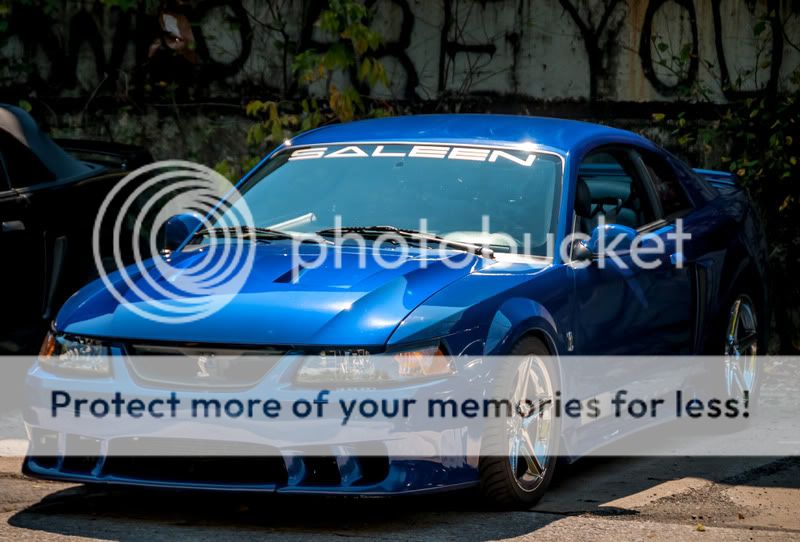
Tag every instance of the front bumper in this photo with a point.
(317, 475)
(254, 455)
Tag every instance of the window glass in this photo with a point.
(614, 192)
(667, 187)
(21, 165)
(453, 191)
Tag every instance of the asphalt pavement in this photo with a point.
(594, 499)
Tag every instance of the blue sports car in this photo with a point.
(504, 220)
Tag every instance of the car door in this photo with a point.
(675, 279)
(22, 261)
(623, 308)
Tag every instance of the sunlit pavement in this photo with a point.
(596, 499)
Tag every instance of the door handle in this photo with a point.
(13, 225)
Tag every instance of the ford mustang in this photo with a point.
(519, 203)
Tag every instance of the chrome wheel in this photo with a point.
(741, 348)
(531, 425)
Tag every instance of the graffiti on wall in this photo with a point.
(610, 49)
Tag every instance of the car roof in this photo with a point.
(559, 135)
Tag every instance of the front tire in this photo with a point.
(520, 453)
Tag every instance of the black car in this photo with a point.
(49, 198)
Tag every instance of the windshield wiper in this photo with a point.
(415, 235)
(252, 232)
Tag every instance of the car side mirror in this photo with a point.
(580, 251)
(609, 237)
(178, 228)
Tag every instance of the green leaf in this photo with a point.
(225, 169)
(277, 132)
(254, 107)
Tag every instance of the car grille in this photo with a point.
(264, 466)
(199, 367)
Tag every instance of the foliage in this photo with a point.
(325, 77)
(5, 11)
(757, 138)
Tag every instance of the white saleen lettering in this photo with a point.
(378, 152)
(308, 154)
(475, 154)
(466, 153)
(348, 152)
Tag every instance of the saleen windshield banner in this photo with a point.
(472, 154)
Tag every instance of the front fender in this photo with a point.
(518, 317)
(485, 314)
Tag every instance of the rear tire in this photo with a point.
(510, 475)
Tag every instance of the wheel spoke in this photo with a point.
(522, 383)
(735, 379)
(729, 378)
(739, 377)
(529, 451)
(734, 321)
(536, 411)
(525, 379)
(746, 342)
(514, 455)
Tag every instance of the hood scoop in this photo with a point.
(292, 276)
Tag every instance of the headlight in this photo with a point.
(360, 367)
(75, 355)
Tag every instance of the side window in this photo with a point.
(22, 167)
(667, 187)
(609, 186)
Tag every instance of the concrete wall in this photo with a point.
(84, 57)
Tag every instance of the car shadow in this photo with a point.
(136, 514)
(589, 486)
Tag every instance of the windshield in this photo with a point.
(506, 199)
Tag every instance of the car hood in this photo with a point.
(356, 303)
